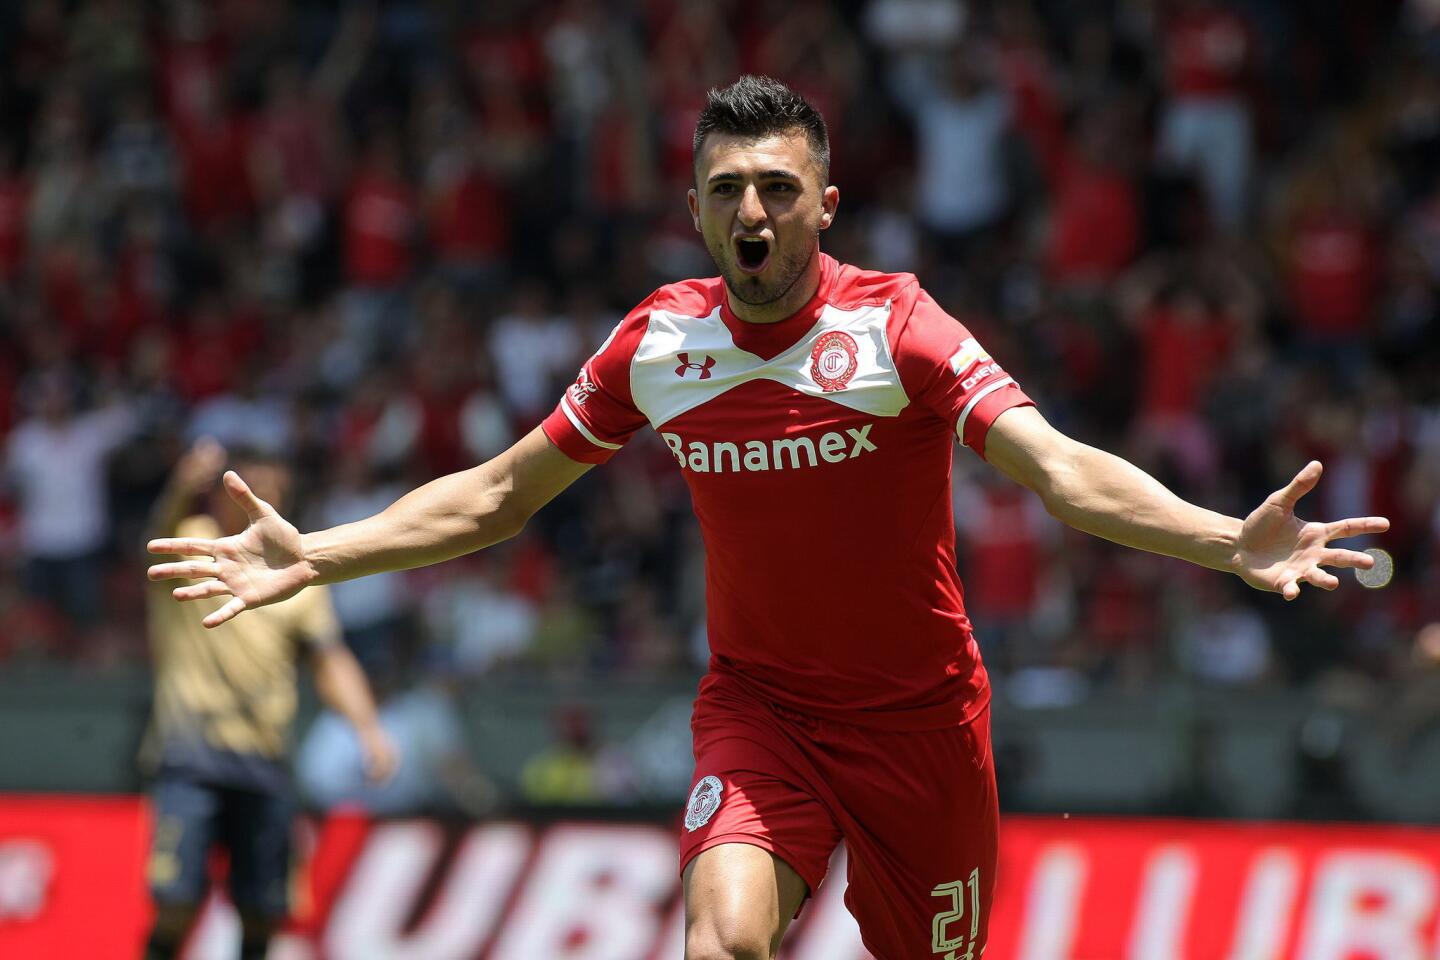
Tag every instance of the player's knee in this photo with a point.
(728, 939)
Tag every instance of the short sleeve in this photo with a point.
(596, 415)
(315, 625)
(947, 371)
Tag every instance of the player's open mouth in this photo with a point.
(752, 254)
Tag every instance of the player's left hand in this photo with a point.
(378, 754)
(1277, 551)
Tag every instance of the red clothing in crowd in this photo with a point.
(213, 157)
(514, 52)
(468, 222)
(1182, 356)
(211, 352)
(289, 138)
(1334, 273)
(192, 79)
(380, 219)
(14, 200)
(96, 311)
(1206, 53)
(1096, 227)
(1039, 115)
(1003, 553)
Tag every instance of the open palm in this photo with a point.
(1277, 551)
(262, 564)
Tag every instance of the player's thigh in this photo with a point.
(257, 830)
(739, 899)
(186, 823)
(921, 884)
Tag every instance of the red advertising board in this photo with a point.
(71, 877)
(71, 885)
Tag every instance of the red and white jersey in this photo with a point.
(818, 454)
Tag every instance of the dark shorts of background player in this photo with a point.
(192, 818)
(917, 811)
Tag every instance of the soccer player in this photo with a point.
(812, 408)
(220, 735)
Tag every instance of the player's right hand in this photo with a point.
(265, 563)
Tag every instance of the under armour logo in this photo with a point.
(685, 365)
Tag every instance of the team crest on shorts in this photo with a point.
(834, 360)
(704, 801)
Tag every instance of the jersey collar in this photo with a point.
(769, 340)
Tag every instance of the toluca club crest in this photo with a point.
(704, 801)
(833, 361)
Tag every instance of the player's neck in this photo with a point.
(799, 294)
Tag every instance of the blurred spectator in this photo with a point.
(474, 614)
(463, 202)
(14, 199)
(915, 36)
(55, 460)
(962, 119)
(693, 50)
(139, 156)
(212, 148)
(533, 351)
(292, 169)
(1005, 540)
(1190, 315)
(433, 775)
(1333, 258)
(1032, 75)
(63, 197)
(1220, 641)
(893, 231)
(373, 611)
(379, 217)
(1325, 790)
(813, 47)
(565, 632)
(575, 770)
(1096, 223)
(1206, 125)
(246, 416)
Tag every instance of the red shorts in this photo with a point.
(917, 811)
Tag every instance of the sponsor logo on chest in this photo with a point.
(782, 453)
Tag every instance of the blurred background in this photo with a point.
(378, 240)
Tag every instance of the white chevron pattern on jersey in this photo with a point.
(663, 386)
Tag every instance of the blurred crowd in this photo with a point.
(379, 238)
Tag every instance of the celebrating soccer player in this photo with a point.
(812, 407)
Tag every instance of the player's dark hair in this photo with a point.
(761, 107)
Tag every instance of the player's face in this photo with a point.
(760, 205)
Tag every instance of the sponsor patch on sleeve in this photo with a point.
(969, 354)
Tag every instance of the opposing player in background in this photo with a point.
(813, 408)
(219, 741)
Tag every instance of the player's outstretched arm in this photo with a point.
(1102, 494)
(270, 560)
